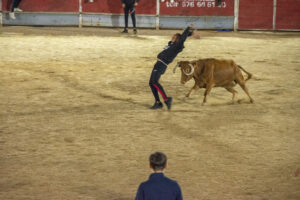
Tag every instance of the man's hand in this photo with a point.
(123, 5)
(192, 26)
(136, 4)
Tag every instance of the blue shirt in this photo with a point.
(159, 187)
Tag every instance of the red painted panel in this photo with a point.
(44, 5)
(115, 6)
(256, 14)
(288, 14)
(197, 8)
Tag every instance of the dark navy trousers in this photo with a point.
(15, 4)
(131, 8)
(158, 70)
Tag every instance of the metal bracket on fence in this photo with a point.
(274, 14)
(157, 14)
(80, 14)
(0, 12)
(236, 15)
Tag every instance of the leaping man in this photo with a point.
(164, 58)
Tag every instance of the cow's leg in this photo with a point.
(233, 91)
(193, 88)
(242, 83)
(207, 91)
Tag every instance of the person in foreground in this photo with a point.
(164, 58)
(158, 187)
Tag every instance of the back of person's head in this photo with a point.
(178, 36)
(158, 161)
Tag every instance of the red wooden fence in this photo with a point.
(197, 8)
(253, 14)
(288, 14)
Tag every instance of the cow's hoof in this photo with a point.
(251, 101)
(203, 104)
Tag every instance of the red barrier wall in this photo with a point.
(288, 14)
(44, 5)
(197, 8)
(256, 14)
(253, 14)
(115, 6)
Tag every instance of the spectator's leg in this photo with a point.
(126, 11)
(15, 5)
(18, 3)
(132, 12)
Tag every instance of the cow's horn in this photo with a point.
(192, 70)
(174, 70)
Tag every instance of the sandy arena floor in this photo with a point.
(75, 123)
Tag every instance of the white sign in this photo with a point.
(194, 4)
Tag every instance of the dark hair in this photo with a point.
(158, 161)
(178, 36)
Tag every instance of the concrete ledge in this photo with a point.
(201, 22)
(114, 20)
(117, 20)
(41, 19)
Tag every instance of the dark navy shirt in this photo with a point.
(174, 48)
(159, 187)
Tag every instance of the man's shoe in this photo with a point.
(12, 15)
(125, 31)
(168, 102)
(18, 10)
(135, 31)
(157, 105)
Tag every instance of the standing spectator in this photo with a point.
(158, 187)
(129, 5)
(15, 8)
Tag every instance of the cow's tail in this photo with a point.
(249, 74)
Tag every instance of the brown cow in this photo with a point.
(209, 73)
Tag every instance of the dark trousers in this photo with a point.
(131, 8)
(158, 70)
(15, 4)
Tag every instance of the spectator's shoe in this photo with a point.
(135, 31)
(125, 31)
(169, 103)
(18, 10)
(157, 105)
(12, 15)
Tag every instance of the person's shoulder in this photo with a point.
(171, 181)
(144, 183)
